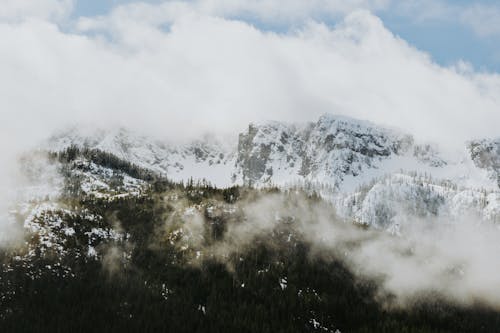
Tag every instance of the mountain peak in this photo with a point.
(336, 150)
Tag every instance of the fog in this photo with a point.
(453, 260)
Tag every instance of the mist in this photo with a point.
(430, 259)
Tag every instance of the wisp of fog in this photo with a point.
(455, 260)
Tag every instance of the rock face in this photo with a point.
(266, 149)
(324, 151)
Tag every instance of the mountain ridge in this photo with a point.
(334, 150)
(372, 174)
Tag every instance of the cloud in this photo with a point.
(293, 11)
(483, 19)
(217, 71)
(204, 73)
(15, 10)
(272, 12)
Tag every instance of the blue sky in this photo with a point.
(448, 42)
(443, 35)
(101, 7)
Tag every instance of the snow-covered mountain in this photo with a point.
(337, 151)
(397, 200)
(206, 158)
(373, 174)
(326, 151)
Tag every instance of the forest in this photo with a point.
(149, 280)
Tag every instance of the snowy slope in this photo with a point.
(202, 159)
(400, 198)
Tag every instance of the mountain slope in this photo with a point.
(205, 158)
(337, 151)
(372, 174)
(119, 248)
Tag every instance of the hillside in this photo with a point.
(115, 247)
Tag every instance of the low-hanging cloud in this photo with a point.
(432, 259)
(205, 73)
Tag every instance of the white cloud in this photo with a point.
(273, 12)
(291, 11)
(483, 19)
(214, 73)
(456, 259)
(15, 10)
(423, 10)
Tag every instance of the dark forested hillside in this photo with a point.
(168, 259)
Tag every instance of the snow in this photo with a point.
(391, 200)
(91, 253)
(202, 159)
(283, 283)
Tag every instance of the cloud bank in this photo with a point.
(174, 70)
